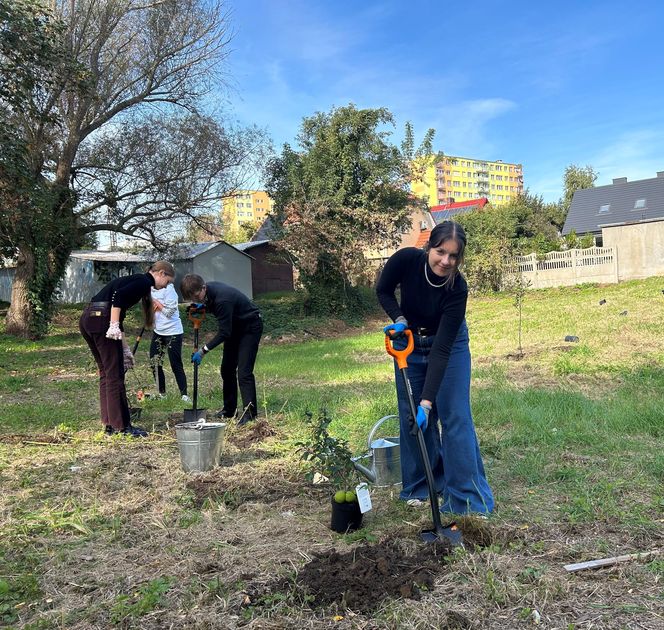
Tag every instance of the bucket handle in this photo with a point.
(375, 428)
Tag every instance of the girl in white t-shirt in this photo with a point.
(167, 338)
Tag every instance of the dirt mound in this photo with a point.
(363, 577)
(255, 432)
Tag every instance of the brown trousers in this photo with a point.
(110, 362)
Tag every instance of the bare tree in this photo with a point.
(122, 141)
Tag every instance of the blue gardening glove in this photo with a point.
(198, 305)
(197, 357)
(423, 416)
(397, 327)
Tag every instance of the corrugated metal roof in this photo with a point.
(186, 251)
(251, 244)
(615, 204)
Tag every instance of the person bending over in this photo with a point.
(239, 328)
(101, 327)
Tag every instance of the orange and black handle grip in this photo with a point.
(401, 356)
(196, 315)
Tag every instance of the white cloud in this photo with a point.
(462, 126)
(635, 155)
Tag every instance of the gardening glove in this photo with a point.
(197, 357)
(198, 305)
(423, 416)
(398, 327)
(114, 331)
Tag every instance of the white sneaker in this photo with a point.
(416, 503)
(186, 398)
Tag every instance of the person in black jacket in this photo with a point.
(101, 327)
(433, 306)
(239, 328)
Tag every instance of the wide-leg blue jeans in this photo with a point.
(450, 435)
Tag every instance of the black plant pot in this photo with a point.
(345, 516)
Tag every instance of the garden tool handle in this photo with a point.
(401, 356)
(138, 340)
(196, 315)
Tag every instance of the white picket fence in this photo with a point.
(574, 266)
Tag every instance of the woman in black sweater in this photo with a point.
(101, 327)
(433, 307)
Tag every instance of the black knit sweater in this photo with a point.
(441, 309)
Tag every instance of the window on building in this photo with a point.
(605, 208)
(240, 204)
(456, 173)
(639, 203)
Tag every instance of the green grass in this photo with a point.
(572, 434)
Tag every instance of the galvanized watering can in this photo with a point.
(383, 461)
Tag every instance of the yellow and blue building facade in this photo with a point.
(246, 206)
(456, 178)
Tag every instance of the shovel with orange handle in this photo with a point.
(450, 532)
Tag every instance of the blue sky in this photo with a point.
(545, 84)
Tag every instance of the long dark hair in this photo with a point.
(445, 231)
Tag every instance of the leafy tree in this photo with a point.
(537, 227)
(203, 228)
(114, 137)
(575, 178)
(343, 192)
(491, 234)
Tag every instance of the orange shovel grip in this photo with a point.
(401, 356)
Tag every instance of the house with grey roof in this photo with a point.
(621, 202)
(626, 216)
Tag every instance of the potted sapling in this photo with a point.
(330, 456)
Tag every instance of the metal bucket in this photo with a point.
(200, 444)
(384, 457)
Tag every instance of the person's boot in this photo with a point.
(108, 429)
(224, 414)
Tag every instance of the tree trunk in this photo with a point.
(19, 314)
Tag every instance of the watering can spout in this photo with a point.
(369, 474)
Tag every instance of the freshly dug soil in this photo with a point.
(363, 577)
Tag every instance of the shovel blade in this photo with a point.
(450, 532)
(194, 415)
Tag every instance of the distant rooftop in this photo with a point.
(615, 204)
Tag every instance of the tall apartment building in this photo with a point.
(455, 179)
(246, 206)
